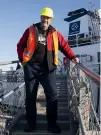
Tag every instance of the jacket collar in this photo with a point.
(50, 28)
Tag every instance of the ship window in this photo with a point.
(83, 39)
(72, 41)
(99, 54)
(89, 28)
(72, 37)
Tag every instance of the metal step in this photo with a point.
(59, 99)
(60, 108)
(59, 112)
(63, 111)
(62, 96)
(63, 88)
(61, 117)
(39, 132)
(65, 96)
(61, 83)
(63, 104)
(62, 91)
(61, 80)
(41, 125)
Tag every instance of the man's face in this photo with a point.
(45, 22)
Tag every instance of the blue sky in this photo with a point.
(17, 15)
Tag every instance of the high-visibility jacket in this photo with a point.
(32, 45)
(55, 41)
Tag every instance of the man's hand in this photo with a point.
(76, 60)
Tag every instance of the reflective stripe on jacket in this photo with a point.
(32, 44)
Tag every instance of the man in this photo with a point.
(38, 53)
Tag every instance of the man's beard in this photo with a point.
(44, 25)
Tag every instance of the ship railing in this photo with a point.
(83, 99)
(12, 96)
(88, 39)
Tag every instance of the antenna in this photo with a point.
(95, 19)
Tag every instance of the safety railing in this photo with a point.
(83, 86)
(88, 38)
(12, 97)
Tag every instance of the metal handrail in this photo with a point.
(2, 97)
(92, 75)
(8, 62)
(81, 98)
(91, 38)
(87, 42)
(84, 38)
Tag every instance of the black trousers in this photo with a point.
(32, 76)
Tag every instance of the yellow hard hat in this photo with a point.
(47, 12)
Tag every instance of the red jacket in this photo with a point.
(63, 46)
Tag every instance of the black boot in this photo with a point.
(54, 129)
